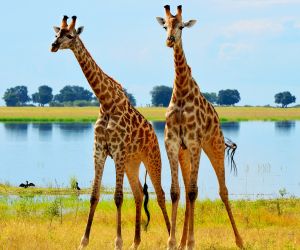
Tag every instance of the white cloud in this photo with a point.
(264, 3)
(229, 51)
(254, 27)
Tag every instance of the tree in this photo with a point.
(211, 97)
(43, 96)
(17, 96)
(72, 93)
(161, 95)
(130, 97)
(228, 97)
(284, 98)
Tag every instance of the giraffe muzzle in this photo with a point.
(54, 47)
(170, 41)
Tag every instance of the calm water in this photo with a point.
(49, 154)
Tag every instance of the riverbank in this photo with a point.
(89, 114)
(44, 222)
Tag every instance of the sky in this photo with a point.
(249, 45)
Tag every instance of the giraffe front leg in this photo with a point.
(195, 151)
(172, 151)
(185, 165)
(118, 197)
(99, 160)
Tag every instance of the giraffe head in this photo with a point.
(65, 34)
(174, 25)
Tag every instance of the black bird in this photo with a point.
(77, 187)
(27, 185)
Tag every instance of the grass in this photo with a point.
(11, 190)
(41, 222)
(89, 114)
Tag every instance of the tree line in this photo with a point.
(67, 96)
(78, 96)
(161, 96)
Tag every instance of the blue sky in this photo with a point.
(249, 45)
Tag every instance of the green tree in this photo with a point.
(211, 97)
(43, 96)
(130, 97)
(35, 98)
(228, 97)
(16, 96)
(284, 98)
(72, 93)
(161, 95)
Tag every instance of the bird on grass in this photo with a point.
(27, 185)
(77, 187)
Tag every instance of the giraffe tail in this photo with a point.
(146, 200)
(230, 148)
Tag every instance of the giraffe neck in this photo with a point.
(107, 90)
(182, 70)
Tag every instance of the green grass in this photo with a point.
(58, 222)
(89, 114)
(11, 190)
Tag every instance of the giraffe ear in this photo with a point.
(56, 29)
(79, 30)
(161, 21)
(189, 24)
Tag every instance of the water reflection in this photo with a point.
(227, 127)
(74, 131)
(44, 129)
(74, 127)
(159, 127)
(285, 127)
(230, 127)
(16, 130)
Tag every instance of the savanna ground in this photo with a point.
(86, 114)
(29, 221)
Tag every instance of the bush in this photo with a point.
(73, 181)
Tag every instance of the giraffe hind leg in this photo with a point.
(216, 155)
(118, 197)
(132, 172)
(153, 166)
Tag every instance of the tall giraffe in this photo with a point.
(191, 124)
(121, 132)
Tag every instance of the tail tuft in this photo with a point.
(230, 148)
(146, 200)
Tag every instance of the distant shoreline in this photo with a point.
(89, 114)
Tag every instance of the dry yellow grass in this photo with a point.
(259, 224)
(70, 114)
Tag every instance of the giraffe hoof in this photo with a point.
(239, 243)
(134, 246)
(181, 247)
(118, 244)
(84, 242)
(191, 245)
(171, 244)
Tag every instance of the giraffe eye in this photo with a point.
(165, 27)
(181, 27)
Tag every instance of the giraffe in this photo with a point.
(192, 124)
(120, 132)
